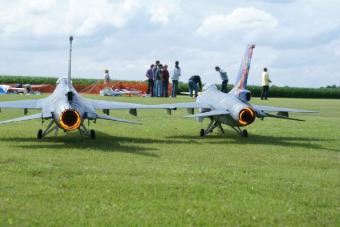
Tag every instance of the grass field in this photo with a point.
(161, 172)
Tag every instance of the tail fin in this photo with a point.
(69, 83)
(242, 77)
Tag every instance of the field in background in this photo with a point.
(162, 173)
(86, 85)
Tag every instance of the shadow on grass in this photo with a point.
(233, 138)
(104, 143)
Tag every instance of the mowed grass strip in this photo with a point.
(162, 173)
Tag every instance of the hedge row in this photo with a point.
(286, 92)
(40, 80)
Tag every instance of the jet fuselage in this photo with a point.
(67, 107)
(241, 112)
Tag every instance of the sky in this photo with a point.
(297, 40)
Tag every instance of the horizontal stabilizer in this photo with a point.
(279, 109)
(210, 113)
(283, 117)
(110, 118)
(25, 118)
(23, 104)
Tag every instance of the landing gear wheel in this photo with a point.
(245, 133)
(202, 132)
(93, 134)
(40, 134)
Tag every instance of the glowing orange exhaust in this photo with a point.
(70, 120)
(246, 116)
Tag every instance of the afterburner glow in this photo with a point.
(246, 116)
(70, 120)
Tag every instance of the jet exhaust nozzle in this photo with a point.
(246, 116)
(70, 120)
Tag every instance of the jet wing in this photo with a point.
(102, 104)
(107, 117)
(185, 105)
(210, 113)
(282, 113)
(26, 118)
(260, 109)
(107, 105)
(23, 104)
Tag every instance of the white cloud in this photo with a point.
(49, 17)
(127, 35)
(161, 11)
(241, 18)
(42, 18)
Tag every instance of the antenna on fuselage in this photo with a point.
(69, 65)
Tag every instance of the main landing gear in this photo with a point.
(214, 124)
(243, 133)
(85, 132)
(52, 126)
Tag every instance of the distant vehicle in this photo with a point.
(67, 110)
(4, 88)
(119, 92)
(232, 109)
(19, 89)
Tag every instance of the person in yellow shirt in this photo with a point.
(265, 84)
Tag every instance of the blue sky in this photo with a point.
(298, 40)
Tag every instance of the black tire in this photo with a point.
(93, 134)
(202, 132)
(245, 133)
(40, 134)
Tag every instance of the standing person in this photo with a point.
(265, 84)
(165, 81)
(107, 80)
(159, 81)
(194, 83)
(155, 69)
(149, 75)
(224, 78)
(176, 73)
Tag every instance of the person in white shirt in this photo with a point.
(176, 73)
(107, 79)
(265, 84)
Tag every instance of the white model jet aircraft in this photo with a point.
(68, 110)
(233, 108)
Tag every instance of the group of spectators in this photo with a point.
(158, 80)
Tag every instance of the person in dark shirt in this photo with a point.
(155, 72)
(149, 75)
(159, 85)
(195, 83)
(224, 78)
(165, 80)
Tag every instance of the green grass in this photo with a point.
(162, 173)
